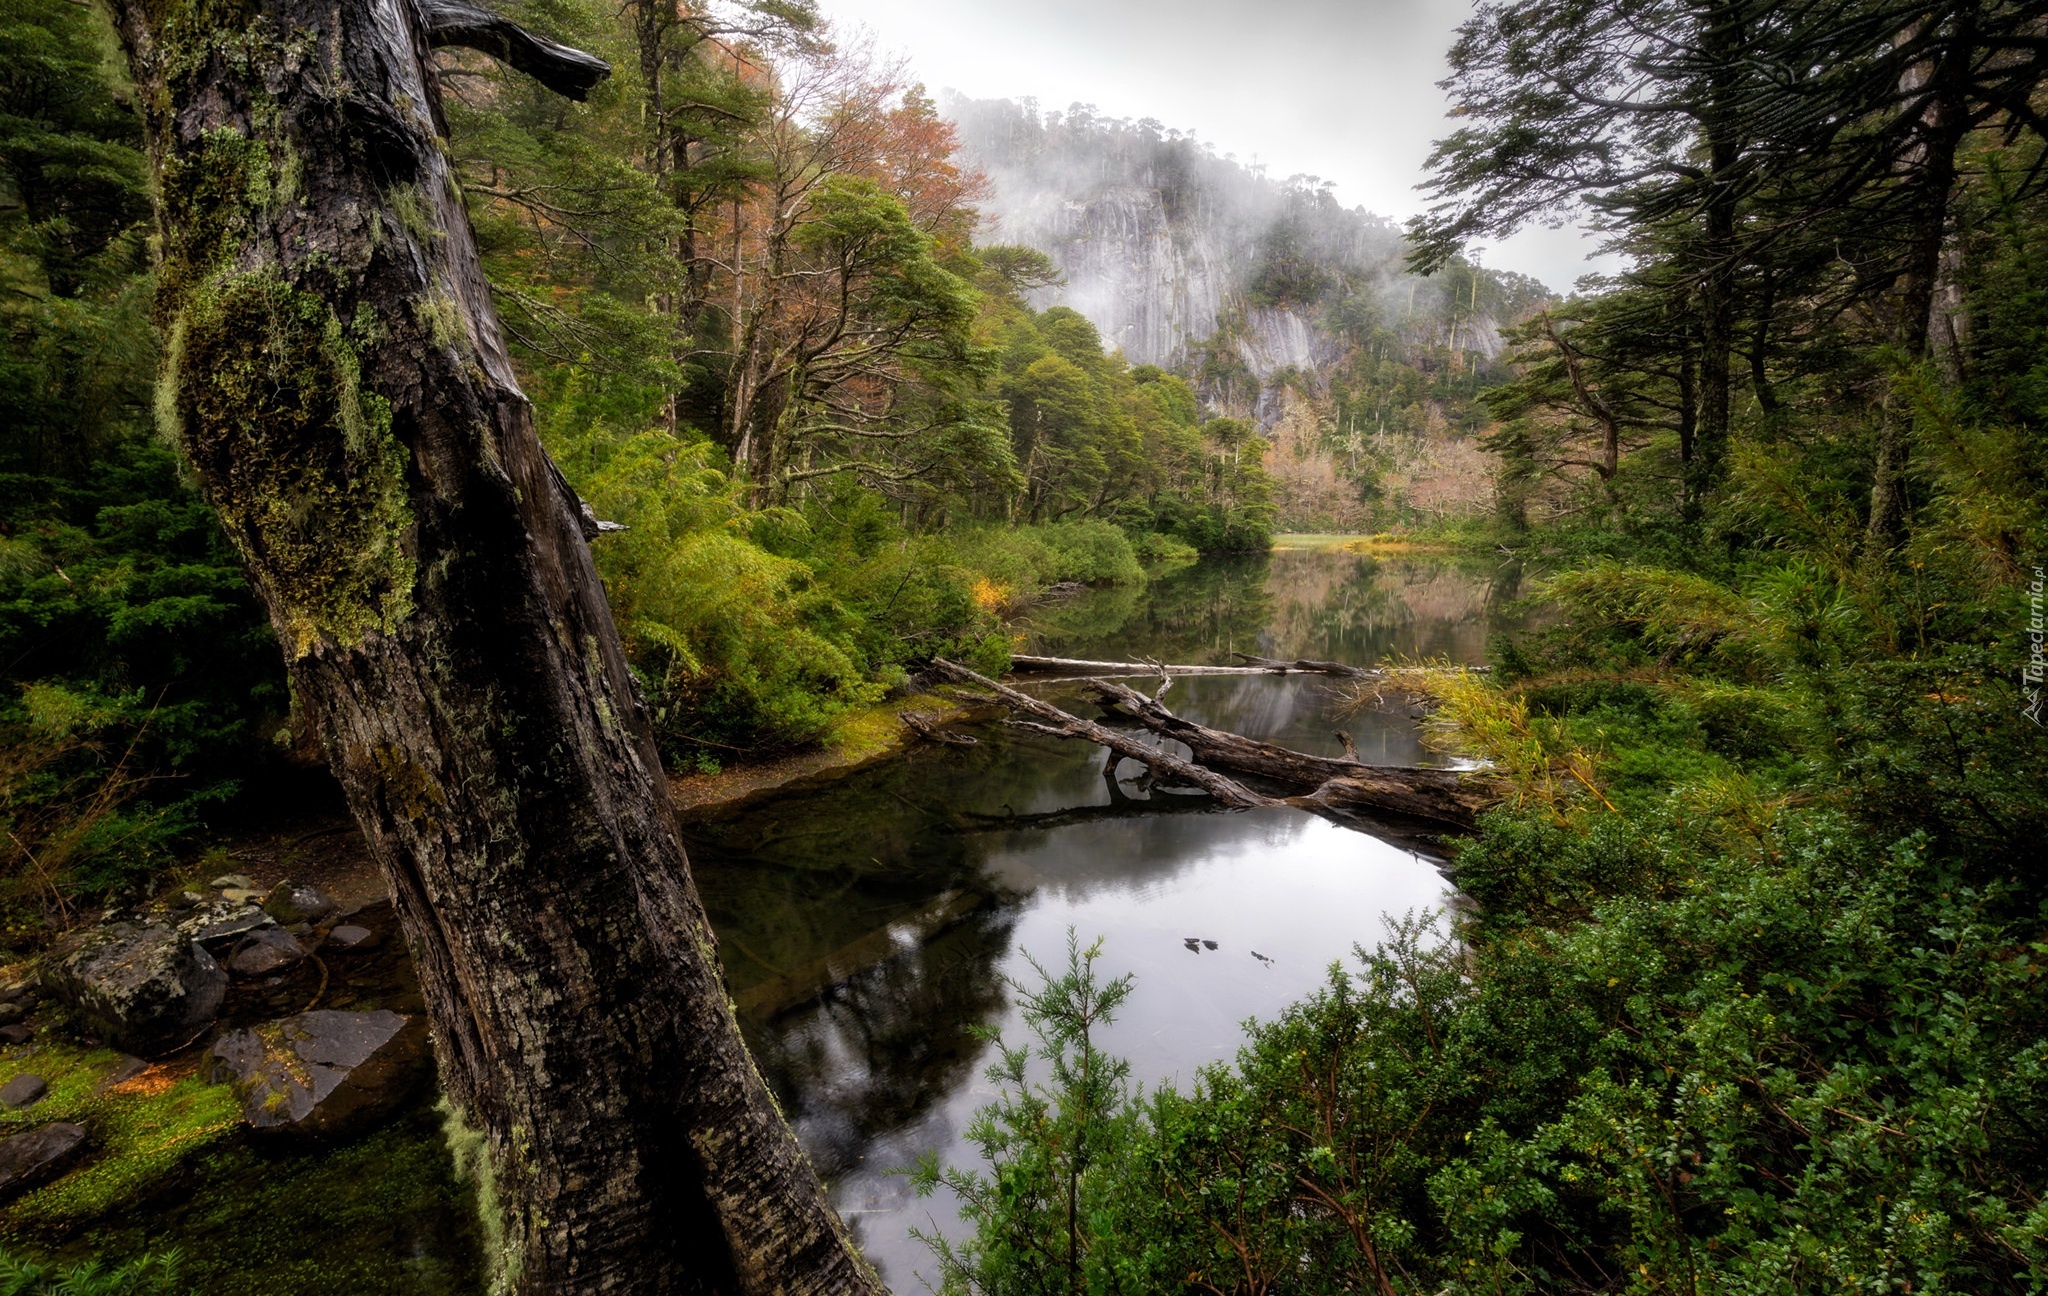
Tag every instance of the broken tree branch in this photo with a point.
(568, 72)
(1054, 721)
(1024, 663)
(1344, 789)
(1444, 796)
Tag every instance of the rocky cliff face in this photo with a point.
(1165, 246)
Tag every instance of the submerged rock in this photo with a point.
(265, 952)
(41, 1154)
(348, 936)
(145, 986)
(321, 1072)
(24, 1090)
(296, 902)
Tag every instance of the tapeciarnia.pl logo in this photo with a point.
(2036, 670)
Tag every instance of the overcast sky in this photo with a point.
(1343, 89)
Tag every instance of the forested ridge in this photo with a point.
(1752, 989)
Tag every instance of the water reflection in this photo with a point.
(868, 926)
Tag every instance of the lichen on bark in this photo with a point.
(301, 461)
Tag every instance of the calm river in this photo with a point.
(870, 925)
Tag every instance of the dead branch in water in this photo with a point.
(1024, 663)
(926, 726)
(1344, 788)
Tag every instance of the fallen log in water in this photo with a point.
(1050, 719)
(1027, 664)
(1345, 788)
(1443, 796)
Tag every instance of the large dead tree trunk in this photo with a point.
(335, 374)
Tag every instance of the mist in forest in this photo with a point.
(1342, 91)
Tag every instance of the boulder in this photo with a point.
(146, 986)
(265, 952)
(295, 902)
(38, 1155)
(348, 936)
(16, 1034)
(24, 1090)
(322, 1072)
(11, 1013)
(238, 881)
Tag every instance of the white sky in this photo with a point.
(1343, 89)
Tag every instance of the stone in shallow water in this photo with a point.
(321, 1072)
(23, 1091)
(265, 952)
(348, 936)
(28, 1159)
(296, 902)
(145, 986)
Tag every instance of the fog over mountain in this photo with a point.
(1342, 89)
(1175, 253)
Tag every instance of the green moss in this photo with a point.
(385, 1213)
(142, 1131)
(302, 462)
(441, 317)
(212, 198)
(469, 1152)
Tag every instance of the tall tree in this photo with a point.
(334, 373)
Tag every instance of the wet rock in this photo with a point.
(24, 1090)
(348, 936)
(144, 986)
(236, 881)
(321, 1072)
(40, 1154)
(16, 1034)
(296, 902)
(265, 952)
(216, 920)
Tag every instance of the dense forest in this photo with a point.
(1748, 990)
(1282, 305)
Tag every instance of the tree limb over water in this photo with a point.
(1345, 789)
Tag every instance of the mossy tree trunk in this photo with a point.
(336, 375)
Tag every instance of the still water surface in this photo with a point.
(870, 925)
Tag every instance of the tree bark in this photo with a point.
(1939, 133)
(335, 374)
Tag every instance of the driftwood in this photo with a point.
(1441, 796)
(1346, 789)
(1051, 720)
(1026, 664)
(1304, 666)
(927, 727)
